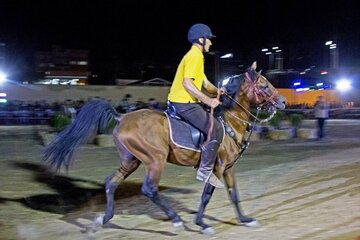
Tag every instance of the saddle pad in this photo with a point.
(180, 134)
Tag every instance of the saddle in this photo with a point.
(182, 133)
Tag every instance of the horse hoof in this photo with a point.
(178, 224)
(107, 217)
(98, 222)
(209, 231)
(253, 223)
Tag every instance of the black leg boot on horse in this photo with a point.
(207, 164)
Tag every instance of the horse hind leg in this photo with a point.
(113, 181)
(128, 165)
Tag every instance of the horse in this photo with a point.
(143, 137)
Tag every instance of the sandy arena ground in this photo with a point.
(296, 189)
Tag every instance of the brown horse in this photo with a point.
(142, 137)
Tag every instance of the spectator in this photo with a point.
(125, 104)
(153, 104)
(321, 111)
(138, 105)
(69, 110)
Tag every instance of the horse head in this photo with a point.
(251, 88)
(260, 91)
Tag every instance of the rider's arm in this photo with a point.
(209, 87)
(191, 88)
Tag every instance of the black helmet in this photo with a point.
(199, 30)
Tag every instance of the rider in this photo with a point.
(186, 94)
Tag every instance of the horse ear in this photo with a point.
(259, 72)
(254, 65)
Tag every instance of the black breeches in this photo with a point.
(199, 118)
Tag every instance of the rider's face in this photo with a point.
(208, 43)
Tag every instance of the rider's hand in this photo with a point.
(221, 91)
(213, 102)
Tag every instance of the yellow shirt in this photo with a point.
(191, 66)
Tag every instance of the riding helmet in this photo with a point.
(199, 30)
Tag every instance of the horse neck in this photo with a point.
(237, 117)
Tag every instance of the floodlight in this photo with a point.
(2, 77)
(343, 85)
(228, 55)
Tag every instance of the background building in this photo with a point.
(2, 55)
(62, 66)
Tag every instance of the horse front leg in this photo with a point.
(230, 182)
(205, 198)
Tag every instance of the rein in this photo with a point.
(252, 115)
(211, 121)
(244, 108)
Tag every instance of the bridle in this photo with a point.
(259, 91)
(268, 98)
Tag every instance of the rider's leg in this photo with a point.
(209, 156)
(200, 118)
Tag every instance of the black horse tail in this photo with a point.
(93, 117)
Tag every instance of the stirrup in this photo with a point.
(214, 181)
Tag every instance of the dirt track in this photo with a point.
(297, 189)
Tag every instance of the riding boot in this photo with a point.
(207, 164)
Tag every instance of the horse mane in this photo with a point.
(232, 89)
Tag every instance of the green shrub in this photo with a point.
(296, 119)
(59, 122)
(262, 114)
(275, 121)
(281, 114)
(110, 127)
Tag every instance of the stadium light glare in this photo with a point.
(2, 77)
(225, 81)
(228, 55)
(343, 85)
(327, 43)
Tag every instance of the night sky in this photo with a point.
(135, 33)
